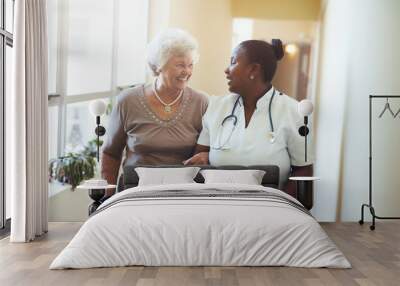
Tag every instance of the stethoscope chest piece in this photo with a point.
(271, 137)
(234, 119)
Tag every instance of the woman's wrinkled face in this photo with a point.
(177, 71)
(238, 71)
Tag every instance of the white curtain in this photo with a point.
(27, 123)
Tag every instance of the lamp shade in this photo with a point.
(97, 107)
(305, 107)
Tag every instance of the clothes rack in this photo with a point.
(370, 205)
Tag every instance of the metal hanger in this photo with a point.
(397, 113)
(387, 107)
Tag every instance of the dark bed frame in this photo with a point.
(130, 179)
(305, 193)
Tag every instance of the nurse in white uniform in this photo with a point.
(257, 124)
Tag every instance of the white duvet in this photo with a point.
(184, 231)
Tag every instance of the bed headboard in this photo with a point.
(130, 178)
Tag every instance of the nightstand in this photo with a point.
(304, 190)
(96, 193)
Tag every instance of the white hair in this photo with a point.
(171, 42)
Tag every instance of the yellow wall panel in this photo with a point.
(277, 9)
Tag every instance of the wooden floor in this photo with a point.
(374, 255)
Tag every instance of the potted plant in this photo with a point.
(72, 168)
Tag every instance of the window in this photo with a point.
(6, 43)
(96, 47)
(77, 122)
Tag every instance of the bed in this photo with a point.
(201, 224)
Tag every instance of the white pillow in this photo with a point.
(166, 176)
(248, 177)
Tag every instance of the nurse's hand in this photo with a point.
(198, 159)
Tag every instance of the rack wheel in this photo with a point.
(372, 227)
(361, 222)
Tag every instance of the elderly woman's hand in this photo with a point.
(198, 159)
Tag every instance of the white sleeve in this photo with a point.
(204, 137)
(296, 142)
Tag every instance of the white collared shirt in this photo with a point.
(252, 145)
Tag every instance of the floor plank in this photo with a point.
(374, 255)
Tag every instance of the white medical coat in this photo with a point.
(252, 145)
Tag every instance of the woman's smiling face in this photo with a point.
(177, 71)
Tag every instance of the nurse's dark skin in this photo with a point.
(247, 80)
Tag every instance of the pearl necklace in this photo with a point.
(167, 106)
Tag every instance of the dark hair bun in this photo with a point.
(278, 48)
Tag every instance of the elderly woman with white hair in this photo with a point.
(157, 123)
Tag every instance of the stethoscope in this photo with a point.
(232, 116)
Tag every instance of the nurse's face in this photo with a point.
(238, 72)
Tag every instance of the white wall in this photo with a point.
(66, 205)
(159, 13)
(360, 46)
